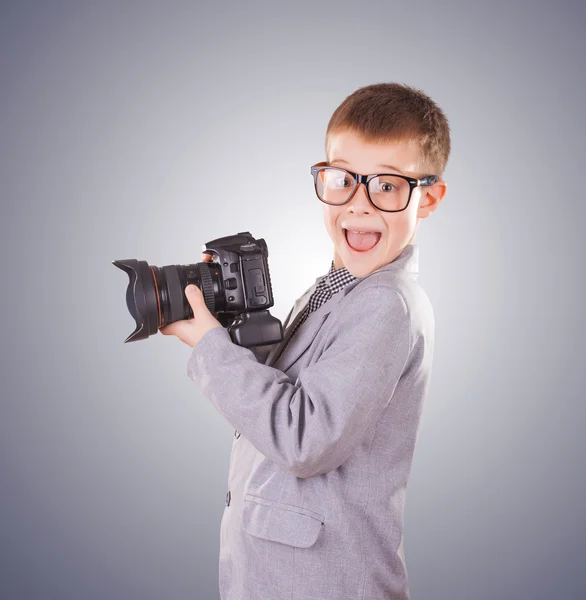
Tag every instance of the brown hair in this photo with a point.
(395, 112)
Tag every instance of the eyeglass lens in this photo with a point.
(334, 186)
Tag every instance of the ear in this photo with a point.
(431, 196)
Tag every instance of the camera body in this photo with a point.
(236, 287)
(242, 265)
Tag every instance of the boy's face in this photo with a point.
(397, 229)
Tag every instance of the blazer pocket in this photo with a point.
(280, 522)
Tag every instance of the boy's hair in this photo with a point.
(395, 112)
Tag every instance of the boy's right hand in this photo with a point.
(223, 318)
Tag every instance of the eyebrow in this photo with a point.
(383, 166)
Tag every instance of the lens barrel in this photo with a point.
(156, 297)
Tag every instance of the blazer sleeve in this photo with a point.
(313, 425)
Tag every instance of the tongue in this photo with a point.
(362, 241)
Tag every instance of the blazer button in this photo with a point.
(228, 496)
(236, 433)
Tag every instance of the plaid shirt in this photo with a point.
(333, 281)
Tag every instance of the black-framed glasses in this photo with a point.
(387, 192)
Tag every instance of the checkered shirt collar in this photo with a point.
(336, 279)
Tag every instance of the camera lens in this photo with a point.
(156, 297)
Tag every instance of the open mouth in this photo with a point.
(362, 242)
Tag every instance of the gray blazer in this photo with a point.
(323, 442)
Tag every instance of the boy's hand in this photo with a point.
(190, 331)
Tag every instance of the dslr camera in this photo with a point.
(235, 284)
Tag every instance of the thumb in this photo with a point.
(194, 296)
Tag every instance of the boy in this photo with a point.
(326, 420)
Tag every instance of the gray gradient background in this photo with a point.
(118, 125)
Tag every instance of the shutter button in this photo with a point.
(228, 498)
(236, 433)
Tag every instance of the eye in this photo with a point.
(335, 179)
(388, 184)
(385, 186)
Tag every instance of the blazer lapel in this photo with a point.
(302, 300)
(287, 352)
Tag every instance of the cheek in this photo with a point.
(330, 219)
(399, 224)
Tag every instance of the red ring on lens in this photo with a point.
(157, 294)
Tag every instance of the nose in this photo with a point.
(359, 201)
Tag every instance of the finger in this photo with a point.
(194, 297)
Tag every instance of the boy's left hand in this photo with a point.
(190, 331)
